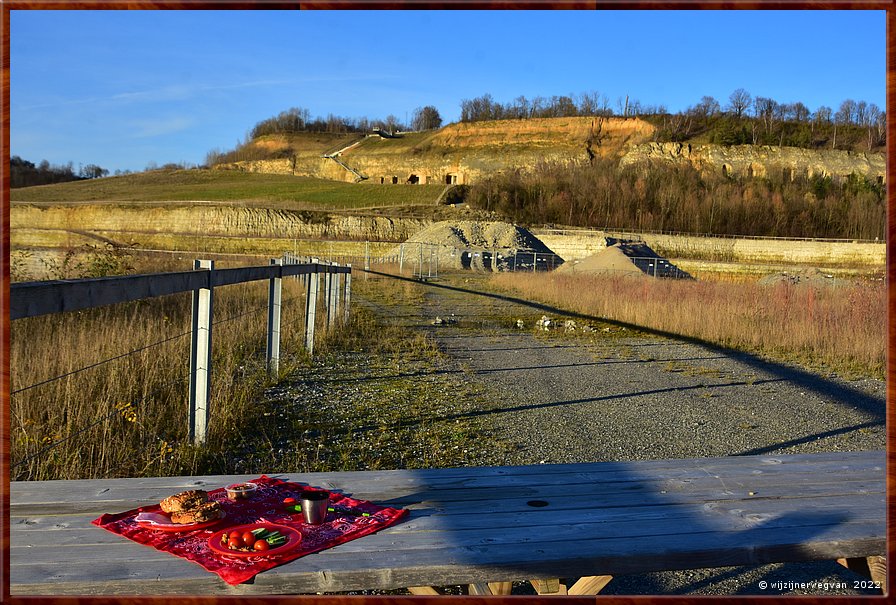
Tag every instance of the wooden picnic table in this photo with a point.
(575, 524)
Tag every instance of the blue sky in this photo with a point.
(122, 89)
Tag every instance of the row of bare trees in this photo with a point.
(679, 198)
(743, 119)
(583, 104)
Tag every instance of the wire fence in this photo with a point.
(132, 404)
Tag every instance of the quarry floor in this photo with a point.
(610, 394)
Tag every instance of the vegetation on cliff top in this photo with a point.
(680, 198)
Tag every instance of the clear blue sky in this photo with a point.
(122, 89)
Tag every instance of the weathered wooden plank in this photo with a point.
(495, 526)
(464, 479)
(819, 463)
(519, 546)
(337, 570)
(498, 498)
(458, 534)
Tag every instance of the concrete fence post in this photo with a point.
(332, 294)
(311, 296)
(201, 356)
(275, 297)
(336, 292)
(328, 284)
(348, 292)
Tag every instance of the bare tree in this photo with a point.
(426, 118)
(739, 101)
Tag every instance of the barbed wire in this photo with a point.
(99, 363)
(129, 409)
(123, 409)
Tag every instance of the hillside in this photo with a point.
(467, 152)
(455, 154)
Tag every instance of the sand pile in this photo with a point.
(630, 259)
(477, 245)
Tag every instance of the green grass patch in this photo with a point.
(272, 190)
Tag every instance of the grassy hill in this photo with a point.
(272, 190)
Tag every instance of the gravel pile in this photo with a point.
(470, 244)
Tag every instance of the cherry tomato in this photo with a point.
(261, 545)
(288, 501)
(235, 542)
(248, 538)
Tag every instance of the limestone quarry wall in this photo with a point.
(210, 220)
(785, 163)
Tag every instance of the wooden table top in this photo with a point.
(484, 524)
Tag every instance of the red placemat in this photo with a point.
(264, 506)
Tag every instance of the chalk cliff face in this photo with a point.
(785, 163)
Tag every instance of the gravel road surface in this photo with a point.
(612, 394)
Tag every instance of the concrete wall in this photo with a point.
(571, 245)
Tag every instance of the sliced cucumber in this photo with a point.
(260, 532)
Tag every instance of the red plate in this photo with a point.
(178, 527)
(293, 539)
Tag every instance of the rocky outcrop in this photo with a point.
(787, 163)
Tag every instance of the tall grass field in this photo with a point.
(103, 392)
(840, 329)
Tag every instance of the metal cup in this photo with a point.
(314, 507)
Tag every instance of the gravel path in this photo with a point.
(611, 394)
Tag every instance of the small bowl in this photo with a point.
(240, 491)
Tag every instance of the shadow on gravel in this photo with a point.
(873, 407)
(551, 404)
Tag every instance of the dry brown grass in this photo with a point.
(839, 329)
(128, 416)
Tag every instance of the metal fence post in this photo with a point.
(311, 308)
(348, 292)
(275, 297)
(201, 356)
(420, 264)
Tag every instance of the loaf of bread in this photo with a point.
(206, 512)
(183, 501)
